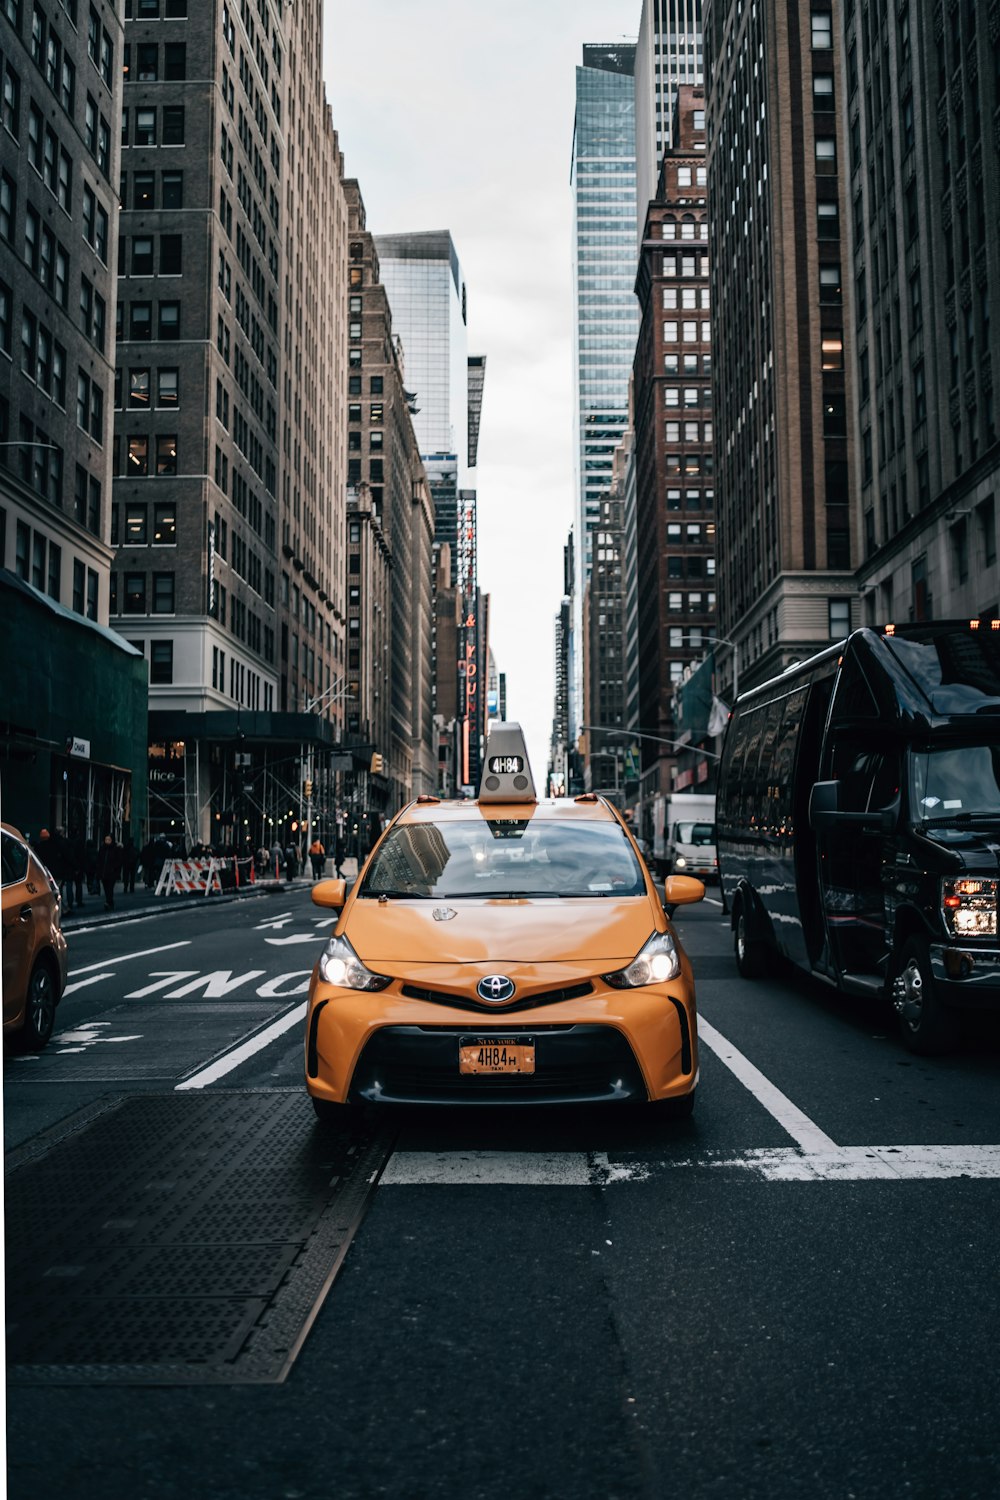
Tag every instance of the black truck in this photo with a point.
(858, 816)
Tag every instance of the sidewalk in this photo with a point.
(142, 903)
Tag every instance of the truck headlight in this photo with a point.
(970, 907)
(680, 862)
(657, 962)
(340, 965)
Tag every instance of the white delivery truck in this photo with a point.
(689, 835)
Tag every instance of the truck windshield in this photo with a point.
(699, 834)
(956, 783)
(500, 858)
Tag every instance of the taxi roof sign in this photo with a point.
(506, 772)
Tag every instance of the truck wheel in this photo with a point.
(926, 1025)
(749, 952)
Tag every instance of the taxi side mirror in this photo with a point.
(682, 890)
(330, 893)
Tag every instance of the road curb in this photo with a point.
(193, 901)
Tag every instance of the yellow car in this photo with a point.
(503, 950)
(34, 949)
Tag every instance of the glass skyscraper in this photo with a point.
(604, 270)
(423, 278)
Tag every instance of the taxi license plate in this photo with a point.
(496, 1054)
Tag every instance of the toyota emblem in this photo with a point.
(495, 989)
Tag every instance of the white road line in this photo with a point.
(230, 1060)
(713, 900)
(487, 1168)
(81, 984)
(785, 1164)
(124, 957)
(787, 1114)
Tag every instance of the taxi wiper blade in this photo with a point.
(399, 895)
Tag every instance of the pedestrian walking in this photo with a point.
(339, 855)
(76, 852)
(130, 864)
(291, 863)
(90, 866)
(317, 855)
(109, 867)
(277, 860)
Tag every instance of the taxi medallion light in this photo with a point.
(506, 773)
(340, 965)
(656, 962)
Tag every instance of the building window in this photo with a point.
(166, 454)
(832, 351)
(170, 254)
(135, 594)
(142, 256)
(839, 616)
(135, 524)
(165, 525)
(830, 289)
(826, 148)
(167, 387)
(172, 189)
(822, 30)
(161, 661)
(163, 593)
(919, 394)
(169, 326)
(827, 221)
(138, 457)
(173, 125)
(145, 127)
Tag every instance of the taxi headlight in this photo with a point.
(340, 965)
(970, 907)
(657, 962)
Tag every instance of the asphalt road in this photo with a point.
(793, 1294)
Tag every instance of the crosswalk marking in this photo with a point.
(782, 1164)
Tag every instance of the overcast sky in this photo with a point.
(458, 114)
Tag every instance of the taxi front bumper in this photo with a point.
(606, 1046)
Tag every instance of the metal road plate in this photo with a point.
(180, 1238)
(145, 1040)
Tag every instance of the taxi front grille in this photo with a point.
(472, 1002)
(573, 1064)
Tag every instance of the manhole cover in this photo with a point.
(179, 1238)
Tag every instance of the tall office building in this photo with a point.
(423, 278)
(606, 323)
(668, 54)
(781, 345)
(919, 91)
(229, 446)
(427, 293)
(672, 392)
(389, 541)
(73, 695)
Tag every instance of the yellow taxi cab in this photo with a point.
(34, 949)
(503, 950)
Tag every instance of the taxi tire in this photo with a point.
(333, 1116)
(681, 1108)
(930, 1029)
(39, 1007)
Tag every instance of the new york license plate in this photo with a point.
(496, 1054)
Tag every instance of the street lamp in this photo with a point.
(721, 640)
(308, 705)
(635, 734)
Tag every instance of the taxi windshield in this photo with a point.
(528, 857)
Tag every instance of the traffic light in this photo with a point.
(309, 790)
(378, 764)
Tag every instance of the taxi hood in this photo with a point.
(476, 931)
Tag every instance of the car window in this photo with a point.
(482, 857)
(14, 859)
